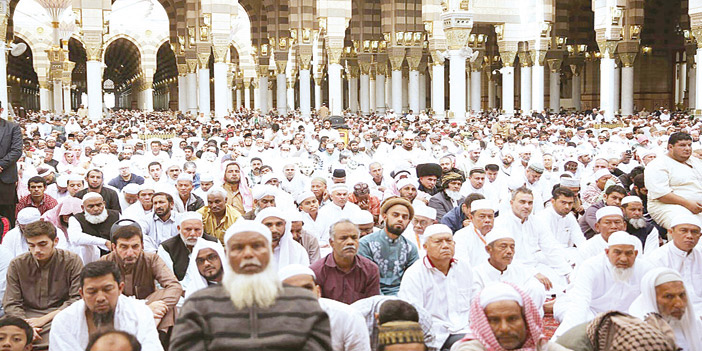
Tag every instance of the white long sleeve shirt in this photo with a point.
(446, 297)
(470, 245)
(516, 273)
(688, 265)
(330, 214)
(69, 329)
(348, 328)
(566, 230)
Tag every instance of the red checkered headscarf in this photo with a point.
(481, 331)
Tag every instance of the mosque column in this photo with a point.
(414, 56)
(305, 59)
(692, 82)
(371, 91)
(222, 95)
(525, 82)
(364, 66)
(537, 79)
(191, 86)
(627, 82)
(317, 92)
(247, 94)
(437, 84)
(396, 55)
(475, 86)
(507, 54)
(182, 87)
(697, 34)
(353, 73)
(607, 48)
(457, 83)
(290, 92)
(148, 91)
(203, 79)
(263, 88)
(617, 84)
(576, 68)
(93, 68)
(554, 78)
(422, 87)
(468, 107)
(281, 61)
(491, 91)
(335, 47)
(380, 70)
(44, 94)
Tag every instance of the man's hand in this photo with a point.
(36, 323)
(158, 308)
(36, 334)
(542, 278)
(108, 245)
(1, 169)
(364, 205)
(694, 207)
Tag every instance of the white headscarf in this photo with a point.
(288, 251)
(195, 280)
(646, 303)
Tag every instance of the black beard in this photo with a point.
(392, 230)
(216, 276)
(93, 188)
(103, 319)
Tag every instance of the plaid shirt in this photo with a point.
(46, 204)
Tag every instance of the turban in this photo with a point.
(263, 190)
(131, 188)
(621, 238)
(28, 215)
(451, 176)
(497, 234)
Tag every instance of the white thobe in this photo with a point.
(664, 175)
(516, 273)
(595, 290)
(470, 245)
(16, 244)
(592, 247)
(5, 258)
(688, 265)
(536, 246)
(330, 214)
(467, 189)
(69, 330)
(566, 229)
(135, 212)
(348, 328)
(446, 297)
(415, 238)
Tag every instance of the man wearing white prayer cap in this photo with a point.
(663, 292)
(176, 251)
(364, 220)
(605, 282)
(338, 208)
(609, 219)
(75, 184)
(59, 189)
(13, 240)
(638, 226)
(184, 199)
(285, 249)
(441, 285)
(594, 190)
(264, 196)
(144, 205)
(300, 234)
(348, 328)
(470, 241)
(407, 188)
(499, 267)
(206, 182)
(128, 196)
(424, 216)
(683, 255)
(205, 266)
(251, 291)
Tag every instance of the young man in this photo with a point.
(15, 334)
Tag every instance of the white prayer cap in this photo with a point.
(185, 177)
(621, 238)
(631, 198)
(424, 211)
(685, 218)
(268, 176)
(601, 173)
(405, 182)
(608, 211)
(91, 195)
(295, 216)
(263, 190)
(131, 188)
(28, 215)
(62, 181)
(74, 177)
(294, 269)
(186, 216)
(497, 234)
(643, 152)
(243, 225)
(666, 275)
(338, 187)
(124, 164)
(44, 172)
(570, 182)
(436, 229)
(499, 291)
(146, 186)
(172, 165)
(270, 212)
(361, 217)
(206, 177)
(302, 196)
(481, 204)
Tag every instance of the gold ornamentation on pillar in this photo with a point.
(607, 47)
(3, 26)
(396, 56)
(576, 68)
(414, 57)
(538, 57)
(192, 65)
(334, 54)
(220, 53)
(627, 59)
(437, 59)
(280, 67)
(44, 84)
(364, 67)
(182, 69)
(508, 58)
(554, 65)
(93, 51)
(697, 33)
(524, 59)
(381, 68)
(203, 60)
(457, 38)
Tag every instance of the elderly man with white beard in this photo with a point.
(176, 251)
(684, 255)
(638, 226)
(348, 328)
(663, 292)
(252, 309)
(285, 249)
(470, 241)
(96, 221)
(608, 281)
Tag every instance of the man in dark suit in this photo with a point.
(10, 152)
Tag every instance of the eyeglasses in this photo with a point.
(211, 258)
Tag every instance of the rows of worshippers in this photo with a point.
(277, 234)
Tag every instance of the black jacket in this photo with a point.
(10, 150)
(180, 255)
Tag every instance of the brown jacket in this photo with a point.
(139, 281)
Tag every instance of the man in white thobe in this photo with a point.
(610, 219)
(470, 241)
(609, 281)
(348, 328)
(683, 255)
(500, 268)
(674, 181)
(424, 216)
(440, 284)
(339, 208)
(536, 246)
(560, 219)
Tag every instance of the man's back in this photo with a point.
(209, 321)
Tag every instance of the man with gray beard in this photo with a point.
(609, 281)
(251, 309)
(638, 226)
(96, 219)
